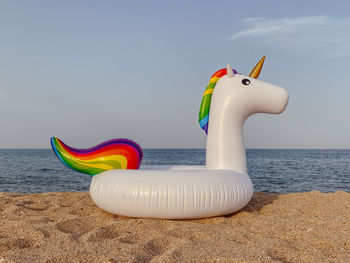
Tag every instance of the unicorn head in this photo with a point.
(229, 99)
(249, 94)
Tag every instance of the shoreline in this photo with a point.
(68, 227)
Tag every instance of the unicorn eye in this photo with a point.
(245, 81)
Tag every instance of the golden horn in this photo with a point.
(256, 70)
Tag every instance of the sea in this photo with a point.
(272, 171)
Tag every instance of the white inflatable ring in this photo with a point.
(177, 192)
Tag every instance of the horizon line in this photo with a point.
(194, 148)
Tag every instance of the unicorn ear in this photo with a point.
(230, 73)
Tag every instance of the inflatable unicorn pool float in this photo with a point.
(120, 186)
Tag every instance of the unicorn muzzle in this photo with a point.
(280, 100)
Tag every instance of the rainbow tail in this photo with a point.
(112, 154)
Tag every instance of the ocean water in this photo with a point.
(272, 171)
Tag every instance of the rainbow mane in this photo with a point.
(205, 104)
(112, 154)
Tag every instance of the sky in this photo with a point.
(89, 71)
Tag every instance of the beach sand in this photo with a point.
(68, 227)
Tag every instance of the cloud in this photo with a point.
(323, 35)
(2, 51)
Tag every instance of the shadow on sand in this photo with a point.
(258, 201)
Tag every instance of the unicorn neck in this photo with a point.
(225, 144)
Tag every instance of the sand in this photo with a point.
(68, 227)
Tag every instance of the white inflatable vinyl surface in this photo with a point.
(177, 192)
